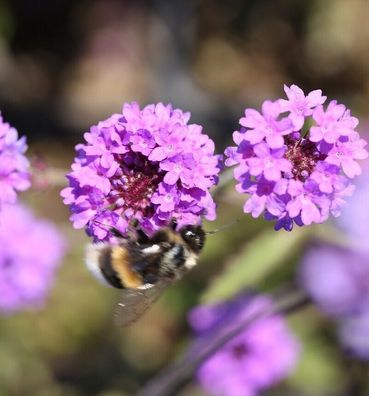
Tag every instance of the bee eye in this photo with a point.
(194, 236)
(190, 234)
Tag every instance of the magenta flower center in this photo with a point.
(303, 155)
(134, 184)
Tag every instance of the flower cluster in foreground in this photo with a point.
(259, 357)
(337, 278)
(14, 166)
(145, 166)
(296, 158)
(30, 253)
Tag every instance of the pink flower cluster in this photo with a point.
(256, 359)
(31, 250)
(296, 158)
(146, 166)
(14, 166)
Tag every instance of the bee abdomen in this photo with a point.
(107, 269)
(122, 266)
(112, 265)
(98, 262)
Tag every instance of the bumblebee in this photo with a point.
(142, 267)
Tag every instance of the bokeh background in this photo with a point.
(64, 65)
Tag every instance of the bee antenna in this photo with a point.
(110, 228)
(221, 228)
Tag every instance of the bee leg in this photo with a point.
(134, 223)
(159, 237)
(141, 237)
(114, 231)
(150, 279)
(173, 224)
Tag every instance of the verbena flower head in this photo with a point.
(296, 158)
(30, 253)
(14, 166)
(259, 357)
(337, 279)
(148, 166)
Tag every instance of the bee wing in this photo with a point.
(134, 302)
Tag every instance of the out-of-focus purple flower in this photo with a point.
(30, 253)
(148, 166)
(354, 220)
(354, 335)
(337, 279)
(14, 166)
(296, 158)
(259, 357)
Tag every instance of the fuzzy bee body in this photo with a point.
(142, 267)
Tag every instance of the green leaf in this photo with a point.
(259, 258)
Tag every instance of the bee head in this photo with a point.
(194, 236)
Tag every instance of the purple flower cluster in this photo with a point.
(146, 166)
(30, 253)
(296, 158)
(14, 166)
(354, 335)
(259, 357)
(354, 220)
(338, 280)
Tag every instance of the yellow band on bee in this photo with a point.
(121, 264)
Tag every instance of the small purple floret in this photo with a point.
(14, 166)
(256, 359)
(30, 253)
(309, 152)
(144, 166)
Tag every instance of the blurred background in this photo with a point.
(64, 65)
